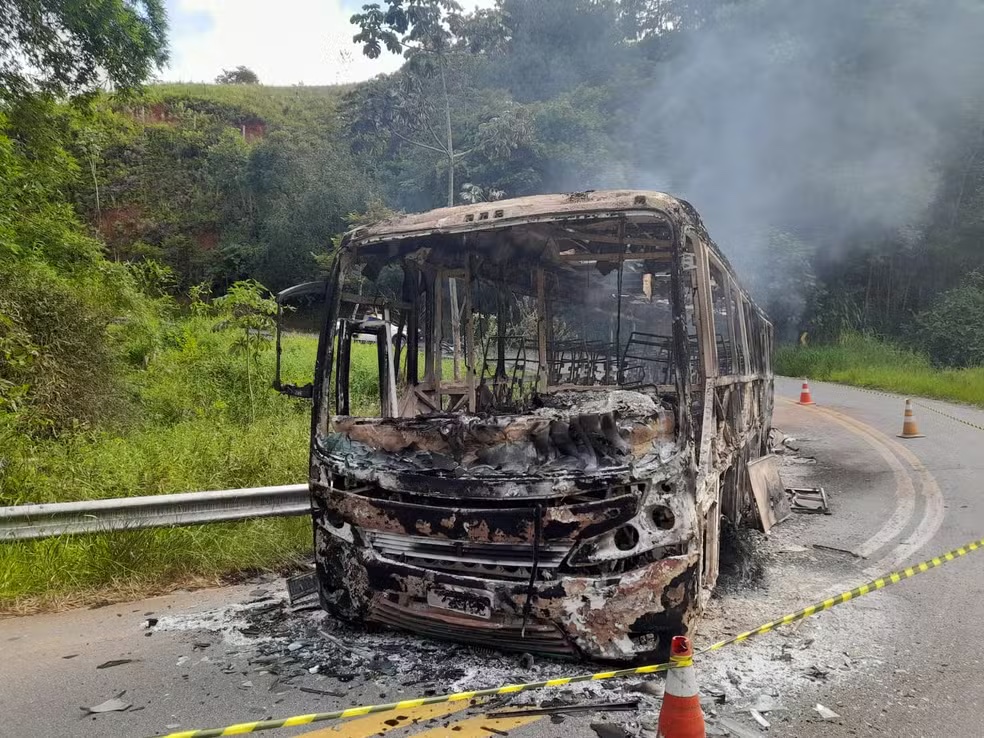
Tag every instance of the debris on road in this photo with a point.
(113, 705)
(711, 727)
(115, 662)
(826, 713)
(569, 708)
(765, 703)
(816, 673)
(325, 692)
(301, 587)
(351, 649)
(650, 687)
(822, 547)
(715, 693)
(760, 719)
(610, 730)
(792, 548)
(735, 729)
(768, 491)
(809, 500)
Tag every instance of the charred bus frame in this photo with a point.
(563, 492)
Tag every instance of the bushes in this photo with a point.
(65, 369)
(197, 454)
(951, 331)
(188, 427)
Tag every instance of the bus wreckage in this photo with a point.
(566, 391)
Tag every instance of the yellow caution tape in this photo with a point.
(947, 415)
(893, 578)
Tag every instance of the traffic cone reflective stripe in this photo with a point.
(681, 716)
(805, 398)
(909, 427)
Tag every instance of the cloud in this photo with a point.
(285, 42)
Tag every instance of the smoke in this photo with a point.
(825, 121)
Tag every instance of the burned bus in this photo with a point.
(530, 417)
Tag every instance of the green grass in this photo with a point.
(279, 106)
(864, 361)
(194, 433)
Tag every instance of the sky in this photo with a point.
(285, 42)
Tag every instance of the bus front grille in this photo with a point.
(508, 561)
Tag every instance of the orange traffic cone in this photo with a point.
(681, 716)
(909, 427)
(805, 398)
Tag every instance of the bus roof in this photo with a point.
(590, 203)
(521, 210)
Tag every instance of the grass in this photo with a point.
(864, 361)
(194, 434)
(285, 106)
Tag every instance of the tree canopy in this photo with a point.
(67, 48)
(239, 76)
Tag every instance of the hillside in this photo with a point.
(223, 182)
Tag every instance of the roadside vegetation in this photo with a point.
(866, 361)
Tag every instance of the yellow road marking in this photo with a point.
(474, 727)
(372, 725)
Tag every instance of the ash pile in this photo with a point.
(283, 649)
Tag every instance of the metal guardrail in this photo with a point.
(25, 522)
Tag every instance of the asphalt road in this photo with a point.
(904, 661)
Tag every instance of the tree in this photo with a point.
(239, 76)
(67, 48)
(434, 38)
(557, 45)
(304, 185)
(245, 308)
(950, 330)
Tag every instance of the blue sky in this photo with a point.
(284, 41)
